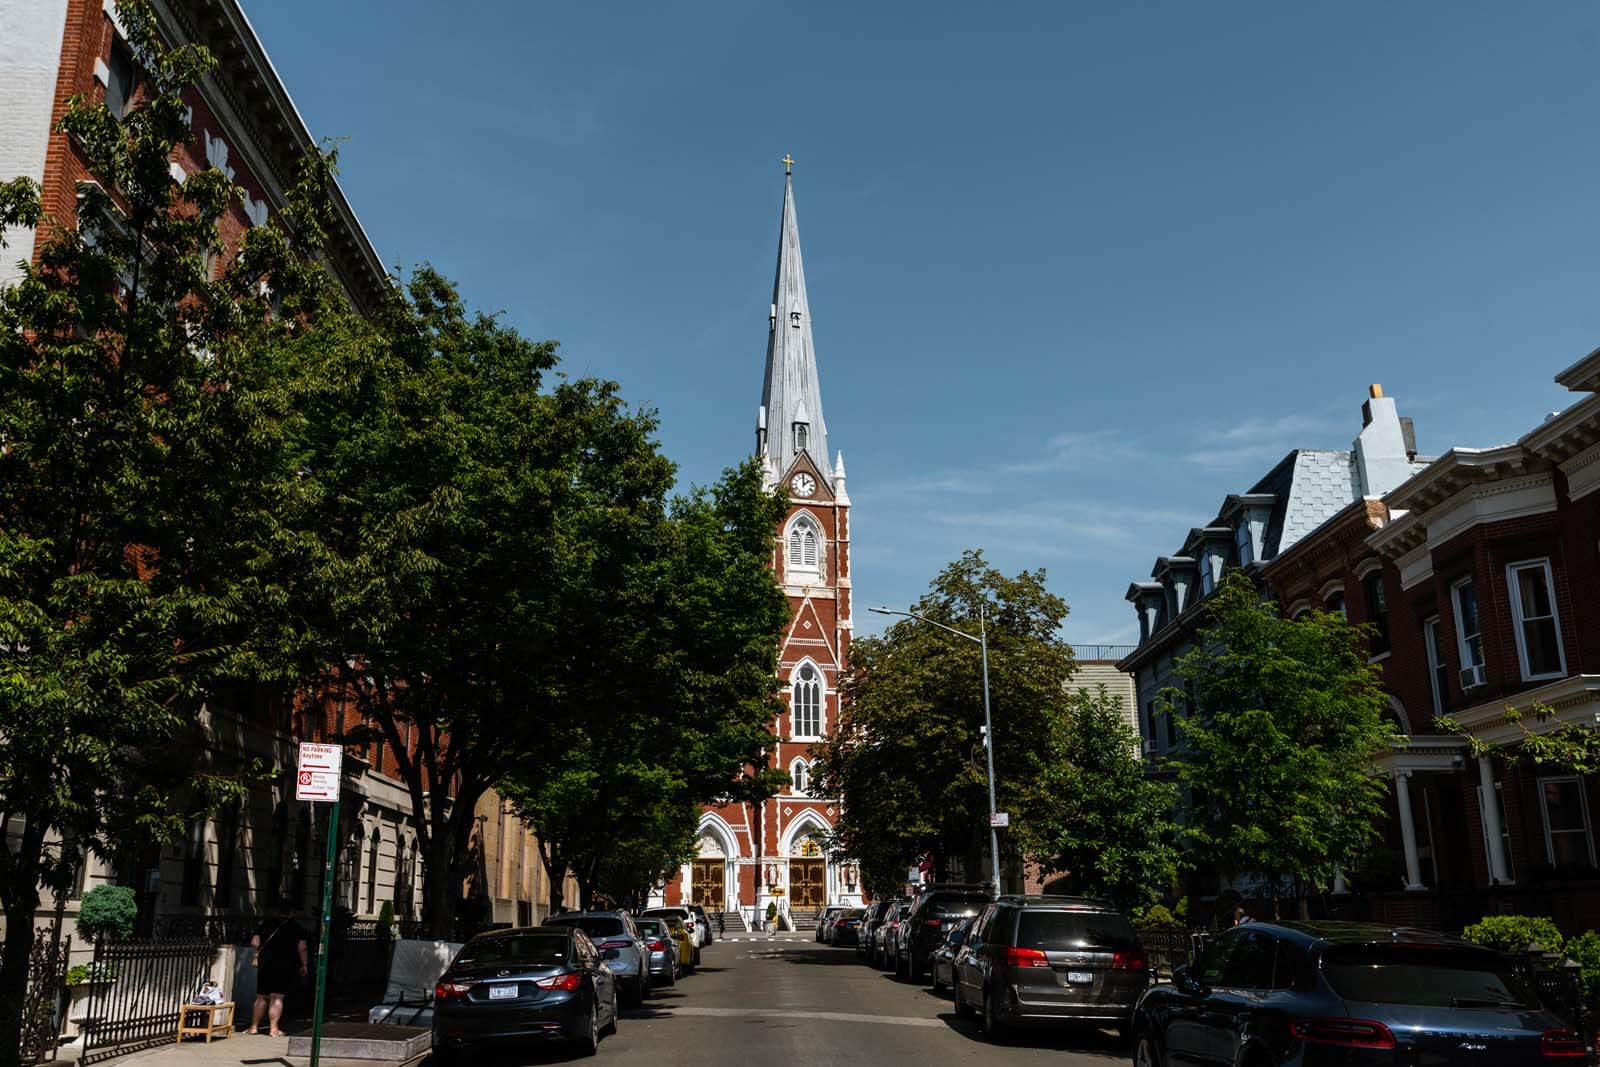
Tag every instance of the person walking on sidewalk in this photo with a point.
(280, 963)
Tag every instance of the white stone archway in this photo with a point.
(716, 840)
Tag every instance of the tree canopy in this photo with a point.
(1277, 723)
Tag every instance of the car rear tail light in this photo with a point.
(1345, 1033)
(448, 990)
(1562, 1044)
(567, 982)
(1127, 961)
(615, 944)
(932, 922)
(1026, 957)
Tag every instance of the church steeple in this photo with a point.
(790, 419)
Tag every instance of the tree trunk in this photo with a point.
(555, 866)
(20, 905)
(438, 896)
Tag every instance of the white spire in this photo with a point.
(839, 492)
(791, 394)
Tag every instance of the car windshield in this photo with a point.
(855, 914)
(1431, 976)
(957, 906)
(653, 927)
(958, 933)
(536, 949)
(593, 925)
(1073, 929)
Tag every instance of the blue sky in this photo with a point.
(1077, 270)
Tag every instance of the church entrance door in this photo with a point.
(807, 884)
(709, 883)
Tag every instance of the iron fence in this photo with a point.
(1166, 948)
(221, 929)
(42, 1002)
(142, 985)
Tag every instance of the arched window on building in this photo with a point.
(803, 551)
(805, 702)
(800, 777)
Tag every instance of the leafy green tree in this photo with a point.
(907, 761)
(1099, 818)
(1569, 746)
(141, 449)
(1277, 731)
(667, 695)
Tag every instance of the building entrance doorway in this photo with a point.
(807, 884)
(708, 880)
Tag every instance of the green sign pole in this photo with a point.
(322, 937)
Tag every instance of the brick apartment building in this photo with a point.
(1479, 574)
(239, 862)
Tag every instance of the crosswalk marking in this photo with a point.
(790, 1013)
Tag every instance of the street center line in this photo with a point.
(789, 1013)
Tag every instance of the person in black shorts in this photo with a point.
(280, 946)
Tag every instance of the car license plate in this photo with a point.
(502, 992)
(1080, 977)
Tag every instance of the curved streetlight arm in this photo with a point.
(930, 622)
(982, 641)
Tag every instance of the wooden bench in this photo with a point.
(210, 1025)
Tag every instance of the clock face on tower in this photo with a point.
(803, 485)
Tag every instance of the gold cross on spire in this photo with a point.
(788, 163)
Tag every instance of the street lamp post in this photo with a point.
(982, 641)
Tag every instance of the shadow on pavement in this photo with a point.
(821, 956)
(1064, 1039)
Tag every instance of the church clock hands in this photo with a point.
(803, 485)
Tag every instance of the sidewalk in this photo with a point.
(240, 1050)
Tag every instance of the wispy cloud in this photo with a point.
(1259, 440)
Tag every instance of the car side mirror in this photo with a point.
(1185, 979)
(610, 954)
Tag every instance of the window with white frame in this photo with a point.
(1469, 636)
(803, 552)
(1567, 840)
(1207, 581)
(1436, 665)
(1376, 604)
(800, 777)
(1505, 831)
(805, 701)
(1538, 631)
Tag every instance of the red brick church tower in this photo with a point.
(750, 855)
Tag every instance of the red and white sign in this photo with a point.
(317, 777)
(999, 818)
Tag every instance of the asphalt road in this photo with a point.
(788, 1003)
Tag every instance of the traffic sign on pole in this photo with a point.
(1000, 818)
(317, 780)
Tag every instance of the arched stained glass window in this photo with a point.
(800, 776)
(805, 703)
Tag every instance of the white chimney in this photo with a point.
(1382, 461)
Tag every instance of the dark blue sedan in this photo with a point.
(1338, 994)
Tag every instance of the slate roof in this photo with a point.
(791, 392)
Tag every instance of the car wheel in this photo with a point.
(993, 1028)
(672, 976)
(962, 1011)
(588, 1040)
(634, 996)
(938, 986)
(1145, 1054)
(611, 1026)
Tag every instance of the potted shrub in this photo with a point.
(82, 980)
(107, 911)
(772, 915)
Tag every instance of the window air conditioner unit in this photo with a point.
(1472, 676)
(1149, 748)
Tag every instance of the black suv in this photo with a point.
(936, 910)
(1039, 961)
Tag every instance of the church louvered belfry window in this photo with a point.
(805, 546)
(800, 776)
(805, 703)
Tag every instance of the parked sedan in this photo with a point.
(511, 985)
(663, 948)
(708, 932)
(825, 921)
(869, 927)
(943, 960)
(1282, 994)
(846, 929)
(886, 940)
(616, 935)
(681, 922)
(935, 910)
